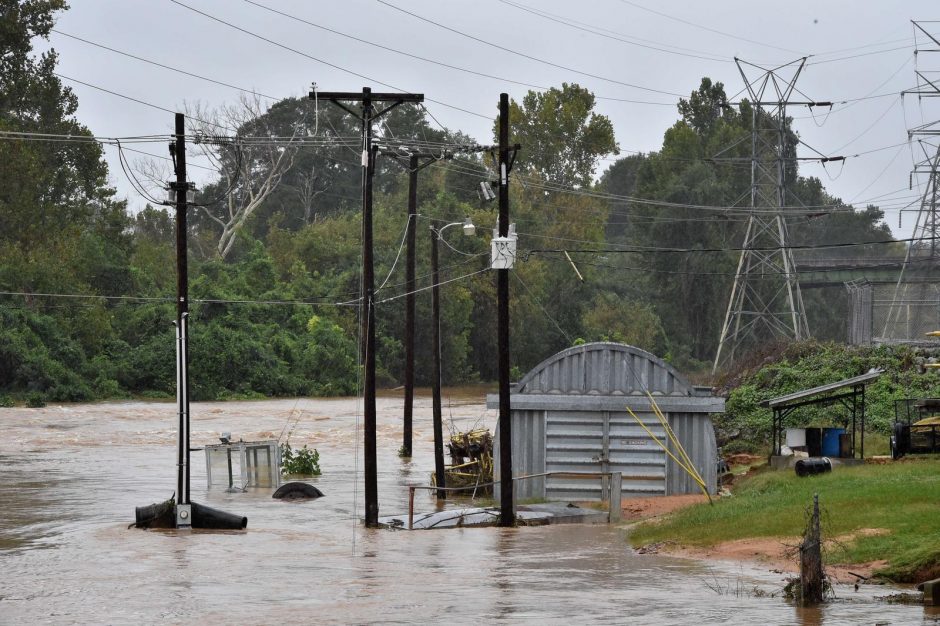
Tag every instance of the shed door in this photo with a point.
(585, 442)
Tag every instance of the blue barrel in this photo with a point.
(830, 441)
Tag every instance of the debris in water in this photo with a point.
(297, 491)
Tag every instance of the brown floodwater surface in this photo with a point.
(71, 476)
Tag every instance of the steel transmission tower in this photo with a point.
(765, 298)
(913, 310)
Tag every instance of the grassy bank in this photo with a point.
(901, 500)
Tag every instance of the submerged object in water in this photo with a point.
(297, 491)
(163, 515)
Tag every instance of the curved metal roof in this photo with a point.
(604, 368)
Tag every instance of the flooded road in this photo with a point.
(73, 474)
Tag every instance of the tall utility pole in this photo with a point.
(924, 251)
(367, 115)
(507, 513)
(416, 161)
(181, 187)
(439, 476)
(183, 513)
(765, 299)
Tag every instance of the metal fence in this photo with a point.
(885, 313)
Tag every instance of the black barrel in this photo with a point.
(808, 467)
(207, 517)
(159, 515)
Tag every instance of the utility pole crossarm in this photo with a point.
(375, 97)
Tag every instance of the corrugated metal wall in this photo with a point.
(528, 453)
(636, 456)
(557, 433)
(697, 436)
(603, 369)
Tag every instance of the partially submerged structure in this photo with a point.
(570, 417)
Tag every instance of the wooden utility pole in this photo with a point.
(367, 115)
(507, 514)
(414, 165)
(439, 477)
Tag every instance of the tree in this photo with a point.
(561, 136)
(250, 165)
(59, 186)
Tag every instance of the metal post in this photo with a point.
(616, 491)
(436, 378)
(507, 515)
(181, 188)
(410, 305)
(411, 508)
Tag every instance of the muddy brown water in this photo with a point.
(71, 476)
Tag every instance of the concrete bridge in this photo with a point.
(829, 272)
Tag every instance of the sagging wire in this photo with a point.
(536, 300)
(135, 183)
(391, 270)
(439, 284)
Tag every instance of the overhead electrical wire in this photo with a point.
(318, 60)
(608, 34)
(706, 28)
(527, 56)
(132, 99)
(434, 61)
(166, 67)
(330, 142)
(251, 91)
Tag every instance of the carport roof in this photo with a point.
(803, 397)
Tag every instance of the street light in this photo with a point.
(436, 234)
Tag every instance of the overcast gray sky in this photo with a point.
(860, 49)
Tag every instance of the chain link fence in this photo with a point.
(881, 313)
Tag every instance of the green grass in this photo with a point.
(903, 498)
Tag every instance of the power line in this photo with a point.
(608, 34)
(166, 67)
(524, 55)
(318, 60)
(167, 299)
(706, 28)
(132, 99)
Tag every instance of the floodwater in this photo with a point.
(71, 476)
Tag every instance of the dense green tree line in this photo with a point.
(275, 290)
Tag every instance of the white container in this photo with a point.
(796, 437)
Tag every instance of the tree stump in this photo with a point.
(812, 577)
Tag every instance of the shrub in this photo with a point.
(35, 400)
(302, 462)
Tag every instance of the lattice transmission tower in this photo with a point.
(915, 307)
(765, 300)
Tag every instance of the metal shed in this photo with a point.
(569, 415)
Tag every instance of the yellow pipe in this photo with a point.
(672, 436)
(691, 474)
(694, 476)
